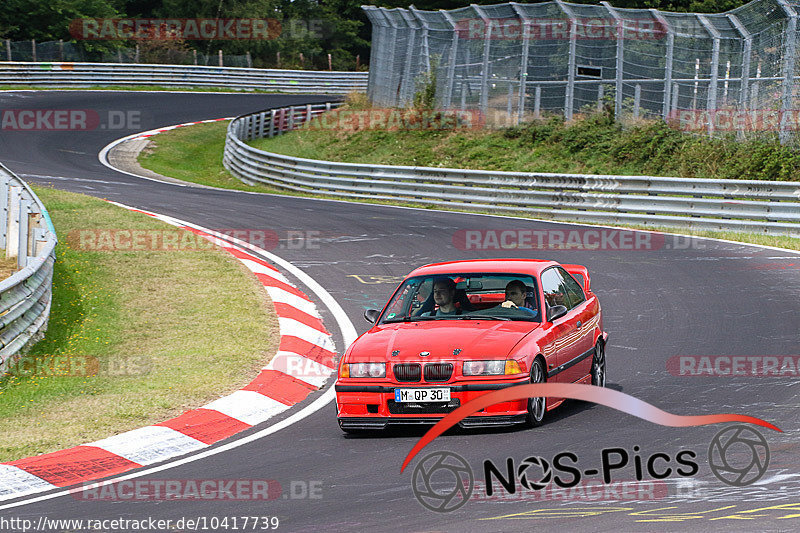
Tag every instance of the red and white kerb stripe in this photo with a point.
(304, 361)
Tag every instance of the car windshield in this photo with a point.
(465, 297)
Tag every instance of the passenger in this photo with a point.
(444, 291)
(516, 297)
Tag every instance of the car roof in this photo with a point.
(512, 266)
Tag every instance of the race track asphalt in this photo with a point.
(689, 297)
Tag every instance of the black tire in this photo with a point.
(599, 364)
(537, 407)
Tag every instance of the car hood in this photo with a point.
(489, 339)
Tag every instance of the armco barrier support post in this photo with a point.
(4, 192)
(24, 218)
(12, 241)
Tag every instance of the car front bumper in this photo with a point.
(370, 406)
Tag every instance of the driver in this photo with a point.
(516, 293)
(444, 292)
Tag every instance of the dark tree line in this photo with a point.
(311, 29)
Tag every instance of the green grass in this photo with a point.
(195, 154)
(221, 89)
(593, 144)
(160, 326)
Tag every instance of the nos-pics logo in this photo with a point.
(443, 481)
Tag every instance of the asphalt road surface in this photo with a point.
(684, 297)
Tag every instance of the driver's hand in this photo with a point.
(507, 304)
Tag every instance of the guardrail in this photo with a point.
(769, 207)
(90, 74)
(27, 234)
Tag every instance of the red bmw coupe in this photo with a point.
(454, 331)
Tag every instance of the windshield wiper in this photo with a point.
(484, 317)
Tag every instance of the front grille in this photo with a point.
(402, 408)
(407, 372)
(438, 371)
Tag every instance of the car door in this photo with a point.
(581, 315)
(563, 336)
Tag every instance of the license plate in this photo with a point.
(437, 394)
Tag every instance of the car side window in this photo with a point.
(553, 289)
(575, 293)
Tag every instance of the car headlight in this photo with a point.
(364, 370)
(491, 368)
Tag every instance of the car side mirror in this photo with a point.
(556, 311)
(371, 315)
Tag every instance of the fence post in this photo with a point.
(249, 59)
(600, 93)
(668, 64)
(61, 49)
(407, 81)
(620, 59)
(272, 123)
(425, 50)
(712, 89)
(451, 65)
(484, 96)
(219, 53)
(537, 102)
(389, 85)
(637, 99)
(136, 55)
(8, 49)
(569, 97)
(33, 50)
(4, 190)
(747, 51)
(24, 220)
(523, 69)
(12, 235)
(788, 68)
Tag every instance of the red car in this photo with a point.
(454, 331)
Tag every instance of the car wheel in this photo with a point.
(537, 407)
(599, 365)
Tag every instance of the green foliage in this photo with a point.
(593, 144)
(425, 96)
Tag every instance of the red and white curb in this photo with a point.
(304, 361)
(150, 133)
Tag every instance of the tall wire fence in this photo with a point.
(731, 72)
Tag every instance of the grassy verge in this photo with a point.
(594, 144)
(159, 327)
(222, 89)
(195, 154)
